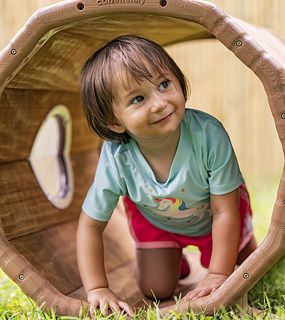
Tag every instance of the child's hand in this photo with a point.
(208, 285)
(105, 299)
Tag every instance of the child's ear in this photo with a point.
(116, 128)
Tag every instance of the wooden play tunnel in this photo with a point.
(39, 72)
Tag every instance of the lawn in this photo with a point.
(268, 294)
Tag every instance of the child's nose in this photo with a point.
(158, 104)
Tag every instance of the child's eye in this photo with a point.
(164, 85)
(137, 100)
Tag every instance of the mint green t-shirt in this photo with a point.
(204, 164)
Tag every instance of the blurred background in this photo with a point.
(220, 85)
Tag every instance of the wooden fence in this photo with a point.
(220, 83)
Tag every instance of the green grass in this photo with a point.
(268, 294)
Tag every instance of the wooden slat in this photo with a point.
(53, 252)
(22, 113)
(56, 66)
(23, 206)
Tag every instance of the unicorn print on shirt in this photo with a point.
(176, 208)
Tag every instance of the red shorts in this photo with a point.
(147, 236)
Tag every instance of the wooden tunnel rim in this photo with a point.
(48, 21)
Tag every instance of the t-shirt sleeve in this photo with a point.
(223, 170)
(105, 190)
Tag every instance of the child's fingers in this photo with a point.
(202, 293)
(196, 293)
(92, 307)
(214, 289)
(126, 307)
(104, 306)
(114, 306)
(190, 295)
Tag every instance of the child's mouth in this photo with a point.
(163, 119)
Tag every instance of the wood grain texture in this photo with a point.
(24, 207)
(52, 251)
(22, 113)
(31, 281)
(70, 45)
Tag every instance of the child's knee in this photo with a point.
(157, 289)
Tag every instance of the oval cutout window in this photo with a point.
(50, 159)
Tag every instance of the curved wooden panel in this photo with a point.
(64, 34)
(22, 113)
(44, 264)
(53, 249)
(72, 46)
(53, 252)
(24, 207)
(19, 269)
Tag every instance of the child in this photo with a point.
(175, 168)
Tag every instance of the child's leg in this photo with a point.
(247, 250)
(158, 271)
(247, 239)
(158, 255)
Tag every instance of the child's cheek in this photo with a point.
(138, 117)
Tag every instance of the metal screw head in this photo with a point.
(21, 276)
(13, 51)
(283, 115)
(163, 3)
(238, 43)
(80, 6)
(246, 275)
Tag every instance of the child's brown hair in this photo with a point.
(132, 54)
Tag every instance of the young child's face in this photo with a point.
(148, 109)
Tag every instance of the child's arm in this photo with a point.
(90, 257)
(226, 233)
